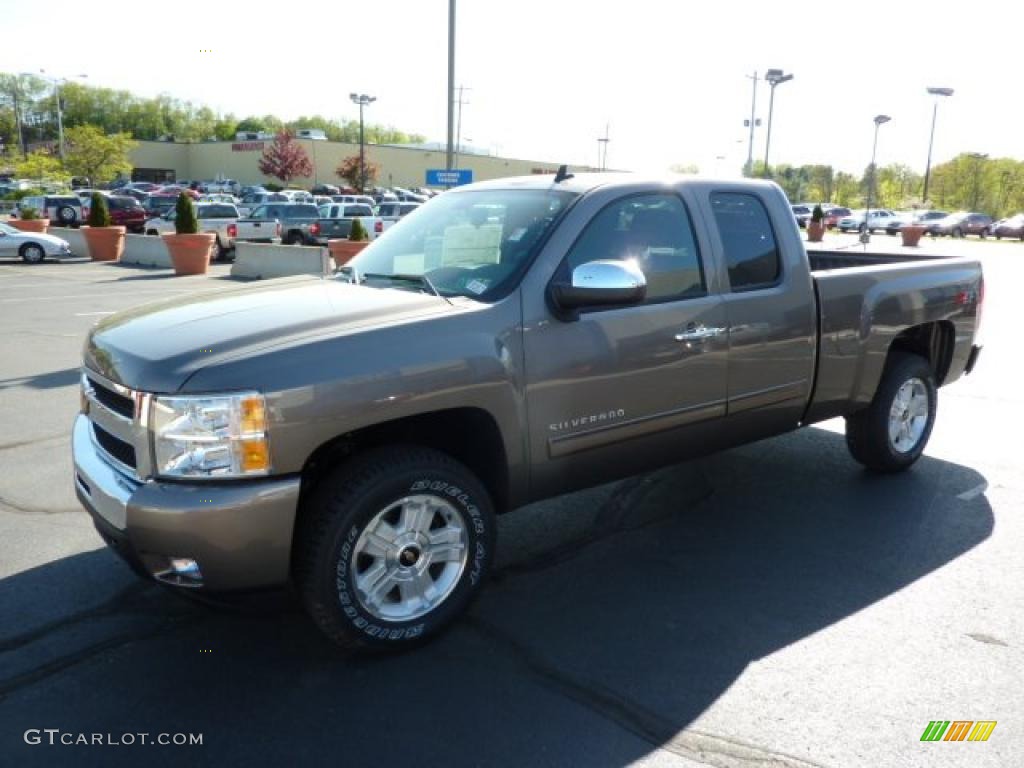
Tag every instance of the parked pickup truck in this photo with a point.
(288, 223)
(215, 218)
(357, 434)
(390, 213)
(336, 221)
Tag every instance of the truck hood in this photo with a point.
(157, 347)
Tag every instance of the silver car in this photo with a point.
(33, 247)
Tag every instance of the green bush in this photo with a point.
(185, 221)
(818, 215)
(99, 213)
(358, 231)
(18, 194)
(272, 187)
(28, 213)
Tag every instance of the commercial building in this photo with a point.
(400, 166)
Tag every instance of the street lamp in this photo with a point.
(865, 236)
(931, 139)
(774, 77)
(60, 109)
(362, 100)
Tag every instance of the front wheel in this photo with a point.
(957, 232)
(32, 253)
(892, 432)
(393, 547)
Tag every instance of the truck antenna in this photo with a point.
(563, 174)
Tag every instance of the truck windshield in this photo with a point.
(473, 243)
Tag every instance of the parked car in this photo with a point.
(254, 200)
(325, 189)
(291, 223)
(32, 247)
(158, 204)
(388, 214)
(336, 221)
(833, 215)
(802, 214)
(1011, 227)
(138, 194)
(127, 212)
(878, 219)
(358, 436)
(215, 218)
(962, 223)
(80, 182)
(62, 210)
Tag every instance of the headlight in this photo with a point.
(211, 436)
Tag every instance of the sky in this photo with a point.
(670, 79)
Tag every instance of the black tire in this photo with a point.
(152, 232)
(957, 232)
(219, 251)
(32, 253)
(339, 511)
(867, 431)
(293, 238)
(861, 228)
(67, 215)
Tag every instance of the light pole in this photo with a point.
(451, 81)
(60, 110)
(602, 149)
(931, 138)
(774, 77)
(749, 169)
(363, 101)
(978, 158)
(865, 236)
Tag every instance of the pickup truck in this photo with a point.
(215, 218)
(253, 200)
(288, 223)
(390, 213)
(357, 434)
(336, 221)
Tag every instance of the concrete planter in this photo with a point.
(911, 234)
(343, 251)
(190, 254)
(815, 231)
(31, 225)
(105, 243)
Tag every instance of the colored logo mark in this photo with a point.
(958, 730)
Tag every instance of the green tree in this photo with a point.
(185, 221)
(91, 153)
(42, 166)
(253, 124)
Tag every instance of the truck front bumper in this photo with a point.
(239, 534)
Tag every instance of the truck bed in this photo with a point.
(827, 260)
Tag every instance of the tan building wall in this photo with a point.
(400, 166)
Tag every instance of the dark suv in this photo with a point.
(127, 212)
(962, 223)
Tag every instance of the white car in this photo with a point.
(878, 219)
(33, 247)
(215, 218)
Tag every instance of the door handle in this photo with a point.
(699, 333)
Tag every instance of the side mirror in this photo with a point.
(601, 283)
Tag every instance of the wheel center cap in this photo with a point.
(409, 556)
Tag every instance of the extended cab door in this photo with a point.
(770, 310)
(620, 389)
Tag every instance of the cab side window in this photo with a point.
(751, 253)
(655, 232)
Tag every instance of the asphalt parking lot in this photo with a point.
(769, 606)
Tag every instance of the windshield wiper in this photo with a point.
(421, 280)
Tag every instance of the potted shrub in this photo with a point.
(106, 242)
(342, 251)
(912, 233)
(28, 221)
(190, 249)
(816, 226)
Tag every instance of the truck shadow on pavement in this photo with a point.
(595, 653)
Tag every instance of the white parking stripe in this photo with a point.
(163, 292)
(976, 491)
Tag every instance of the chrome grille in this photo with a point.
(120, 404)
(118, 449)
(118, 418)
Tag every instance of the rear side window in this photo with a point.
(751, 253)
(655, 232)
(358, 210)
(302, 212)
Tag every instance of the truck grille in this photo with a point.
(119, 404)
(118, 449)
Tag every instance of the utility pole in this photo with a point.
(752, 123)
(451, 81)
(458, 132)
(17, 118)
(602, 150)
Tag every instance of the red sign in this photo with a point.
(247, 146)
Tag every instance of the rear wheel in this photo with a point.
(957, 232)
(32, 253)
(892, 432)
(67, 215)
(393, 547)
(293, 238)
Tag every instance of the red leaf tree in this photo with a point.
(285, 159)
(350, 170)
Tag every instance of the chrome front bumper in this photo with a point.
(106, 490)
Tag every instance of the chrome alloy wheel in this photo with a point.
(908, 416)
(409, 558)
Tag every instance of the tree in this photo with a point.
(689, 169)
(285, 159)
(42, 166)
(350, 171)
(91, 153)
(251, 124)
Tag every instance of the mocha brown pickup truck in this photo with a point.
(356, 435)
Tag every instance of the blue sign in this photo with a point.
(453, 178)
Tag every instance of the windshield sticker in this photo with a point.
(476, 286)
(466, 245)
(517, 235)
